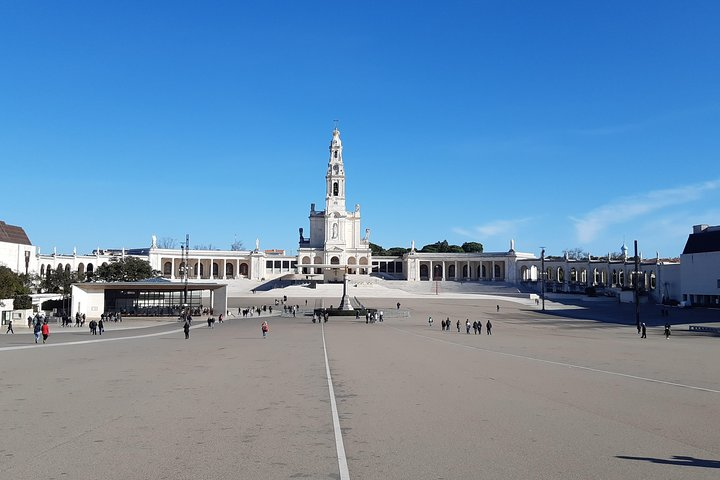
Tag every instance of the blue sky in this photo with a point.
(559, 124)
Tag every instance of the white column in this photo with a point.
(456, 270)
(469, 271)
(443, 270)
(492, 268)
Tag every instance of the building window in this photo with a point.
(335, 189)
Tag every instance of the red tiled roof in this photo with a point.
(13, 234)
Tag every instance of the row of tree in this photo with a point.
(437, 247)
(170, 243)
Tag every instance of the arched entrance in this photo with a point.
(437, 273)
(424, 272)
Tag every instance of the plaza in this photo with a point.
(547, 395)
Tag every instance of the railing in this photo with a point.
(700, 328)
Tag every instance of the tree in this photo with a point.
(397, 251)
(237, 245)
(167, 242)
(576, 254)
(126, 269)
(11, 283)
(472, 247)
(377, 250)
(59, 281)
(22, 302)
(441, 247)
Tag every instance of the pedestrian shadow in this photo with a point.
(682, 461)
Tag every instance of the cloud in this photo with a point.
(491, 229)
(590, 225)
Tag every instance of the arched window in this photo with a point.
(229, 270)
(244, 269)
(336, 188)
(424, 272)
(167, 269)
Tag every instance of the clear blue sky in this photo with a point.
(559, 124)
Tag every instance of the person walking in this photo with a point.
(488, 327)
(475, 326)
(667, 330)
(9, 329)
(186, 329)
(458, 326)
(100, 327)
(497, 308)
(37, 330)
(265, 328)
(644, 330)
(45, 329)
(430, 322)
(467, 326)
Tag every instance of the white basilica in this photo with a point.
(334, 246)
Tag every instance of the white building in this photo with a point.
(336, 245)
(700, 260)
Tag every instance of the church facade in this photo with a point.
(334, 246)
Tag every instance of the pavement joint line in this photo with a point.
(98, 340)
(339, 445)
(562, 364)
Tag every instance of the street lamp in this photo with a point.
(542, 275)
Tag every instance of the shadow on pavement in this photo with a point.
(677, 460)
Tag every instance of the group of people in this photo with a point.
(40, 327)
(372, 317)
(211, 320)
(477, 326)
(97, 328)
(642, 330)
(320, 317)
(110, 317)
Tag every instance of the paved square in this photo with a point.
(543, 397)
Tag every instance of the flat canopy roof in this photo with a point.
(166, 286)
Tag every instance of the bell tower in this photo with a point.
(335, 177)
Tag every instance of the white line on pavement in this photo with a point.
(342, 459)
(562, 364)
(83, 342)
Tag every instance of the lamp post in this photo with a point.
(186, 261)
(542, 275)
(636, 282)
